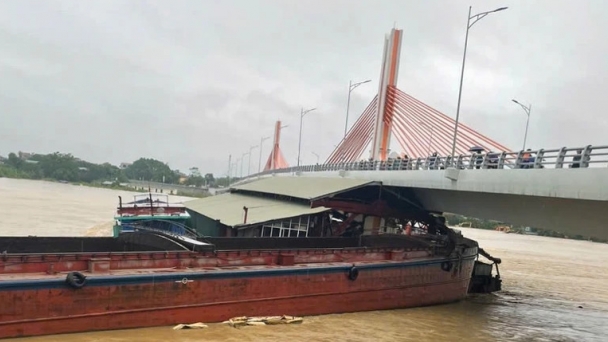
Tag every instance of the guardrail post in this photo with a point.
(538, 160)
(586, 156)
(472, 161)
(561, 157)
(486, 160)
(519, 159)
(501, 160)
(460, 162)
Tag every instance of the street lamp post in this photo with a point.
(527, 110)
(316, 155)
(476, 18)
(260, 161)
(243, 162)
(249, 159)
(351, 87)
(236, 167)
(302, 114)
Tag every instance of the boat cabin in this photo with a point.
(151, 212)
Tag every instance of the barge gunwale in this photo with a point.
(124, 278)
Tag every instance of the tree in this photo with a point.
(106, 171)
(209, 179)
(151, 170)
(60, 166)
(14, 161)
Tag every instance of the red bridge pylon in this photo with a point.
(276, 159)
(419, 129)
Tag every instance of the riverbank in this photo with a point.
(12, 173)
(459, 221)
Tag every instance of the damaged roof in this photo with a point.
(228, 209)
(309, 188)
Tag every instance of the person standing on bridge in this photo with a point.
(477, 159)
(492, 160)
(527, 160)
(576, 160)
(405, 159)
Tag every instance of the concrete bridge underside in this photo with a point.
(571, 201)
(568, 216)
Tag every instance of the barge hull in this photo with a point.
(119, 301)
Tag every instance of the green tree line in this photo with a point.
(65, 167)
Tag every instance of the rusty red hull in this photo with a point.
(116, 296)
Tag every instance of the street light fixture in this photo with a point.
(476, 18)
(249, 159)
(351, 87)
(302, 114)
(527, 110)
(316, 155)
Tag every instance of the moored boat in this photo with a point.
(145, 279)
(151, 211)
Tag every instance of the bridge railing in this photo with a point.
(588, 156)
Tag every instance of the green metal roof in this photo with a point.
(228, 208)
(309, 188)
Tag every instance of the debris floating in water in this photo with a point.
(236, 322)
(198, 325)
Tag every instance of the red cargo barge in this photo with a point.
(144, 279)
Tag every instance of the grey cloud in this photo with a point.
(191, 82)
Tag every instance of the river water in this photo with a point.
(553, 289)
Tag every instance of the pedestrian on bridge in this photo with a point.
(576, 160)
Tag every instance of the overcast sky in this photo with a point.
(190, 82)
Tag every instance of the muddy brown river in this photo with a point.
(553, 289)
